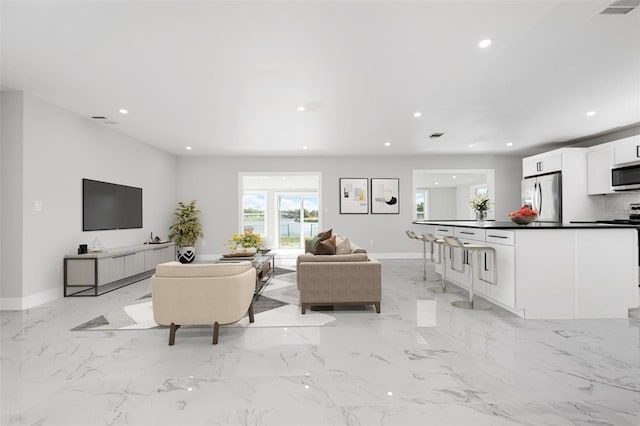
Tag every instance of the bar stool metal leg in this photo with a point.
(424, 277)
(476, 251)
(443, 288)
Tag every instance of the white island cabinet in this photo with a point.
(553, 271)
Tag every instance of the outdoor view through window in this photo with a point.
(283, 209)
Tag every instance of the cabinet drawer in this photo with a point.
(500, 236)
(444, 231)
(470, 234)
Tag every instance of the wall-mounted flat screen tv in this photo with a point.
(110, 206)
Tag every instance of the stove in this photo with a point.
(620, 221)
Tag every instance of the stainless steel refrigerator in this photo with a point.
(544, 193)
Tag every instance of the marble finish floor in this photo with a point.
(419, 362)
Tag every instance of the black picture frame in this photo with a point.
(385, 195)
(354, 195)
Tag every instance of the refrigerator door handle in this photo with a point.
(534, 197)
(539, 198)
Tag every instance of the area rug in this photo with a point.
(277, 306)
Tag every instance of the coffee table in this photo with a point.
(265, 264)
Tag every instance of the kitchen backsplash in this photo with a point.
(616, 206)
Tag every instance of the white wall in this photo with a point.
(214, 183)
(442, 204)
(59, 149)
(11, 198)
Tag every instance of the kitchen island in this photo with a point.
(548, 270)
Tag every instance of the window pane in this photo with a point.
(310, 226)
(420, 205)
(289, 212)
(254, 212)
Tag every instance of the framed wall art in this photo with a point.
(354, 196)
(385, 196)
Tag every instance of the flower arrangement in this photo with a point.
(244, 240)
(481, 203)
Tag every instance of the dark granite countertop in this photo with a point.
(490, 224)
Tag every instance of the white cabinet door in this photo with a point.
(110, 269)
(168, 254)
(159, 255)
(599, 171)
(627, 150)
(134, 264)
(542, 163)
(503, 265)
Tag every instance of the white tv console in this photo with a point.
(93, 274)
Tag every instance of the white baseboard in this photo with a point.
(396, 255)
(22, 303)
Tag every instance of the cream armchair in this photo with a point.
(197, 294)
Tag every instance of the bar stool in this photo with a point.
(475, 249)
(424, 278)
(442, 260)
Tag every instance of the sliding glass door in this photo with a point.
(297, 219)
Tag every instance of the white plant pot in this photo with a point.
(186, 254)
(249, 250)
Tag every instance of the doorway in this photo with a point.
(298, 219)
(283, 207)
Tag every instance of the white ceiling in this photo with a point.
(226, 78)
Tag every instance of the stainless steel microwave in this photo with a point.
(625, 177)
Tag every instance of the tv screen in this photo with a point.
(110, 206)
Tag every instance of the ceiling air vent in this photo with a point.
(435, 135)
(620, 7)
(99, 117)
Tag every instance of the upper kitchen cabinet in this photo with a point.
(599, 162)
(542, 163)
(627, 150)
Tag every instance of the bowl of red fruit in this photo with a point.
(524, 216)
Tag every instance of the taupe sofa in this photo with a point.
(340, 279)
(199, 294)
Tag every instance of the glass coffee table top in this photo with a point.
(264, 264)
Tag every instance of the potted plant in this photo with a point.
(186, 230)
(247, 242)
(481, 205)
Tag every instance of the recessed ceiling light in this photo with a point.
(471, 146)
(417, 114)
(124, 111)
(509, 143)
(454, 177)
(188, 148)
(284, 178)
(390, 393)
(591, 113)
(436, 183)
(300, 108)
(387, 144)
(485, 43)
(305, 147)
